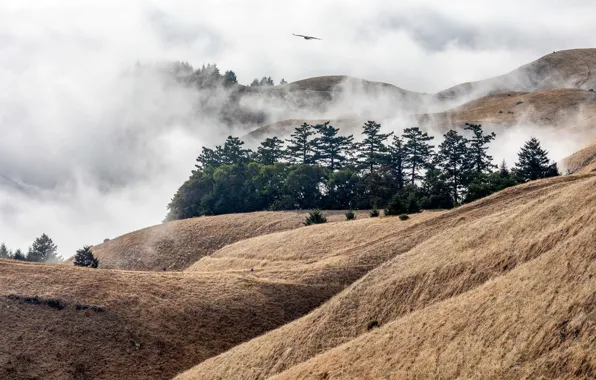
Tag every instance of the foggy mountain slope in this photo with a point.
(496, 269)
(583, 161)
(106, 324)
(568, 110)
(179, 244)
(561, 69)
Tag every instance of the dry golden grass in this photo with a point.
(572, 110)
(485, 296)
(583, 161)
(177, 245)
(178, 319)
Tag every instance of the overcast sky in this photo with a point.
(81, 161)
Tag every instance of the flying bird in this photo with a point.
(306, 37)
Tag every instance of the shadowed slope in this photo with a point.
(75, 323)
(176, 245)
(583, 161)
(485, 240)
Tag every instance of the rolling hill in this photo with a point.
(583, 161)
(510, 280)
(62, 322)
(177, 245)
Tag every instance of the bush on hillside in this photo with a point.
(404, 217)
(85, 258)
(350, 215)
(315, 217)
(395, 206)
(374, 212)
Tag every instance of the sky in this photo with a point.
(88, 153)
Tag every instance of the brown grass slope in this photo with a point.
(477, 246)
(573, 110)
(176, 245)
(583, 161)
(107, 324)
(561, 69)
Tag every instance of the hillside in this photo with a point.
(561, 69)
(508, 279)
(573, 110)
(62, 322)
(583, 161)
(176, 245)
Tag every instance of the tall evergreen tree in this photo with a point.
(282, 82)
(534, 162)
(453, 159)
(208, 158)
(85, 258)
(255, 83)
(233, 153)
(330, 148)
(372, 150)
(417, 152)
(4, 254)
(229, 78)
(271, 151)
(19, 255)
(397, 155)
(480, 161)
(300, 148)
(43, 250)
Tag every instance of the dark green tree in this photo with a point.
(85, 258)
(255, 83)
(417, 152)
(397, 155)
(266, 81)
(452, 157)
(208, 158)
(300, 145)
(43, 250)
(19, 255)
(4, 254)
(478, 158)
(232, 152)
(372, 150)
(271, 151)
(229, 78)
(282, 82)
(329, 147)
(533, 162)
(303, 187)
(435, 190)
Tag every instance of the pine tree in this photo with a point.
(232, 152)
(372, 150)
(255, 83)
(417, 152)
(208, 158)
(534, 162)
(229, 78)
(329, 148)
(453, 159)
(19, 255)
(480, 161)
(43, 250)
(396, 152)
(282, 82)
(4, 254)
(84, 258)
(271, 151)
(299, 149)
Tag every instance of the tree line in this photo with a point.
(44, 250)
(318, 168)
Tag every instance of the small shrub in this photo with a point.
(315, 217)
(374, 212)
(404, 217)
(350, 215)
(106, 240)
(518, 103)
(372, 324)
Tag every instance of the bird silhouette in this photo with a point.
(306, 37)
